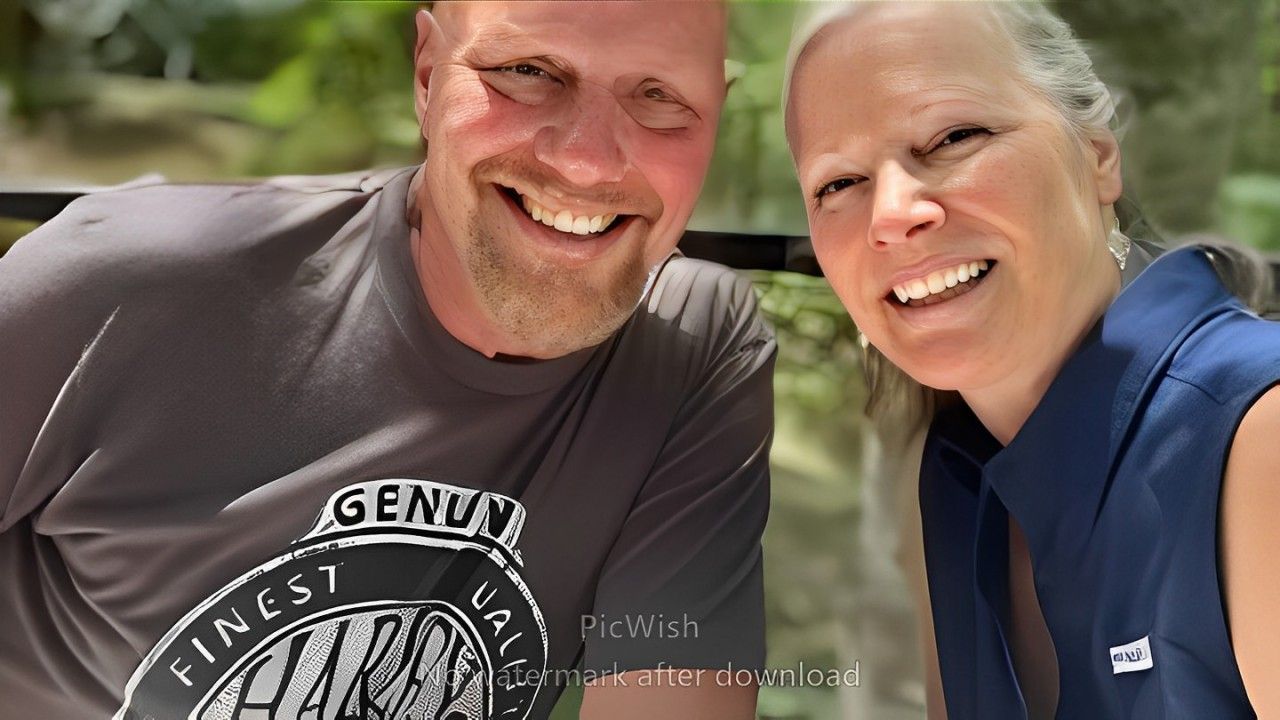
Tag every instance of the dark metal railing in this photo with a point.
(35, 205)
(738, 250)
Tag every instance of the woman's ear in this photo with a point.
(1105, 160)
(425, 51)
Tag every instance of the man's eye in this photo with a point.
(523, 82)
(834, 186)
(526, 69)
(657, 109)
(655, 93)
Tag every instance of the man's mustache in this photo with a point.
(632, 196)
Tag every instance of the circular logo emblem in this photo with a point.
(403, 601)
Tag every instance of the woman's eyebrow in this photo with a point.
(951, 96)
(824, 165)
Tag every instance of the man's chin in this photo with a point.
(551, 310)
(546, 331)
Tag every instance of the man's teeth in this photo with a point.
(939, 281)
(565, 221)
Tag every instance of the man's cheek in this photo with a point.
(473, 115)
(677, 169)
(679, 192)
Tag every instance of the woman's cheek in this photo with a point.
(837, 236)
(837, 252)
(989, 183)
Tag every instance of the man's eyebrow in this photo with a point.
(501, 43)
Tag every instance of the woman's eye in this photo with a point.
(956, 136)
(834, 186)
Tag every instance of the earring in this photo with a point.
(1118, 243)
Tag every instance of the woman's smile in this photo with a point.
(941, 285)
(958, 307)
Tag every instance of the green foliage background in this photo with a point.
(100, 91)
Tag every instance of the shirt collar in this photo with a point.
(1061, 460)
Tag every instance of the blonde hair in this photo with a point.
(1048, 57)
(1053, 63)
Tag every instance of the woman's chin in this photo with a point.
(954, 368)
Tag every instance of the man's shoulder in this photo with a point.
(707, 304)
(140, 230)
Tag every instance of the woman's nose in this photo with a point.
(901, 207)
(584, 142)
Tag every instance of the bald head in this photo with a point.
(693, 28)
(568, 143)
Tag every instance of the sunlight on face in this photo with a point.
(567, 147)
(955, 215)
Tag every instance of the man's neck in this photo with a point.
(442, 279)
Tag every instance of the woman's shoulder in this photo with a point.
(1248, 538)
(1232, 356)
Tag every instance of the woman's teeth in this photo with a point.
(565, 221)
(939, 281)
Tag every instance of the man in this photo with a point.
(408, 444)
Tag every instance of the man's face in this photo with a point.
(567, 144)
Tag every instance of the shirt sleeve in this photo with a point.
(683, 584)
(55, 298)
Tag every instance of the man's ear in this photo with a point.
(1106, 167)
(424, 57)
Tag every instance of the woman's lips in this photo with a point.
(951, 310)
(941, 285)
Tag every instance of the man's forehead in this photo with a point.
(625, 36)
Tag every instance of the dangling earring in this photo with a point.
(870, 372)
(1118, 243)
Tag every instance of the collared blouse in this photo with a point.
(1115, 479)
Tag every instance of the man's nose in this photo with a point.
(901, 208)
(583, 143)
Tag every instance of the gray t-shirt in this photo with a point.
(244, 472)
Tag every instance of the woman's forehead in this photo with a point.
(893, 39)
(895, 59)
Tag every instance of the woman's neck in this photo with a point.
(1004, 406)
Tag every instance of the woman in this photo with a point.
(1098, 483)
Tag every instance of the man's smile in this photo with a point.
(577, 244)
(579, 221)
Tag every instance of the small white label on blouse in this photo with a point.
(1132, 657)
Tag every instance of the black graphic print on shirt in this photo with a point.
(403, 601)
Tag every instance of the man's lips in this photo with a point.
(580, 221)
(565, 245)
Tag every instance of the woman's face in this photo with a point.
(923, 159)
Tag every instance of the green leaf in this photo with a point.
(287, 95)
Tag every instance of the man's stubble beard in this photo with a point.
(552, 310)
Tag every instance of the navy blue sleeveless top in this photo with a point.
(1115, 480)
